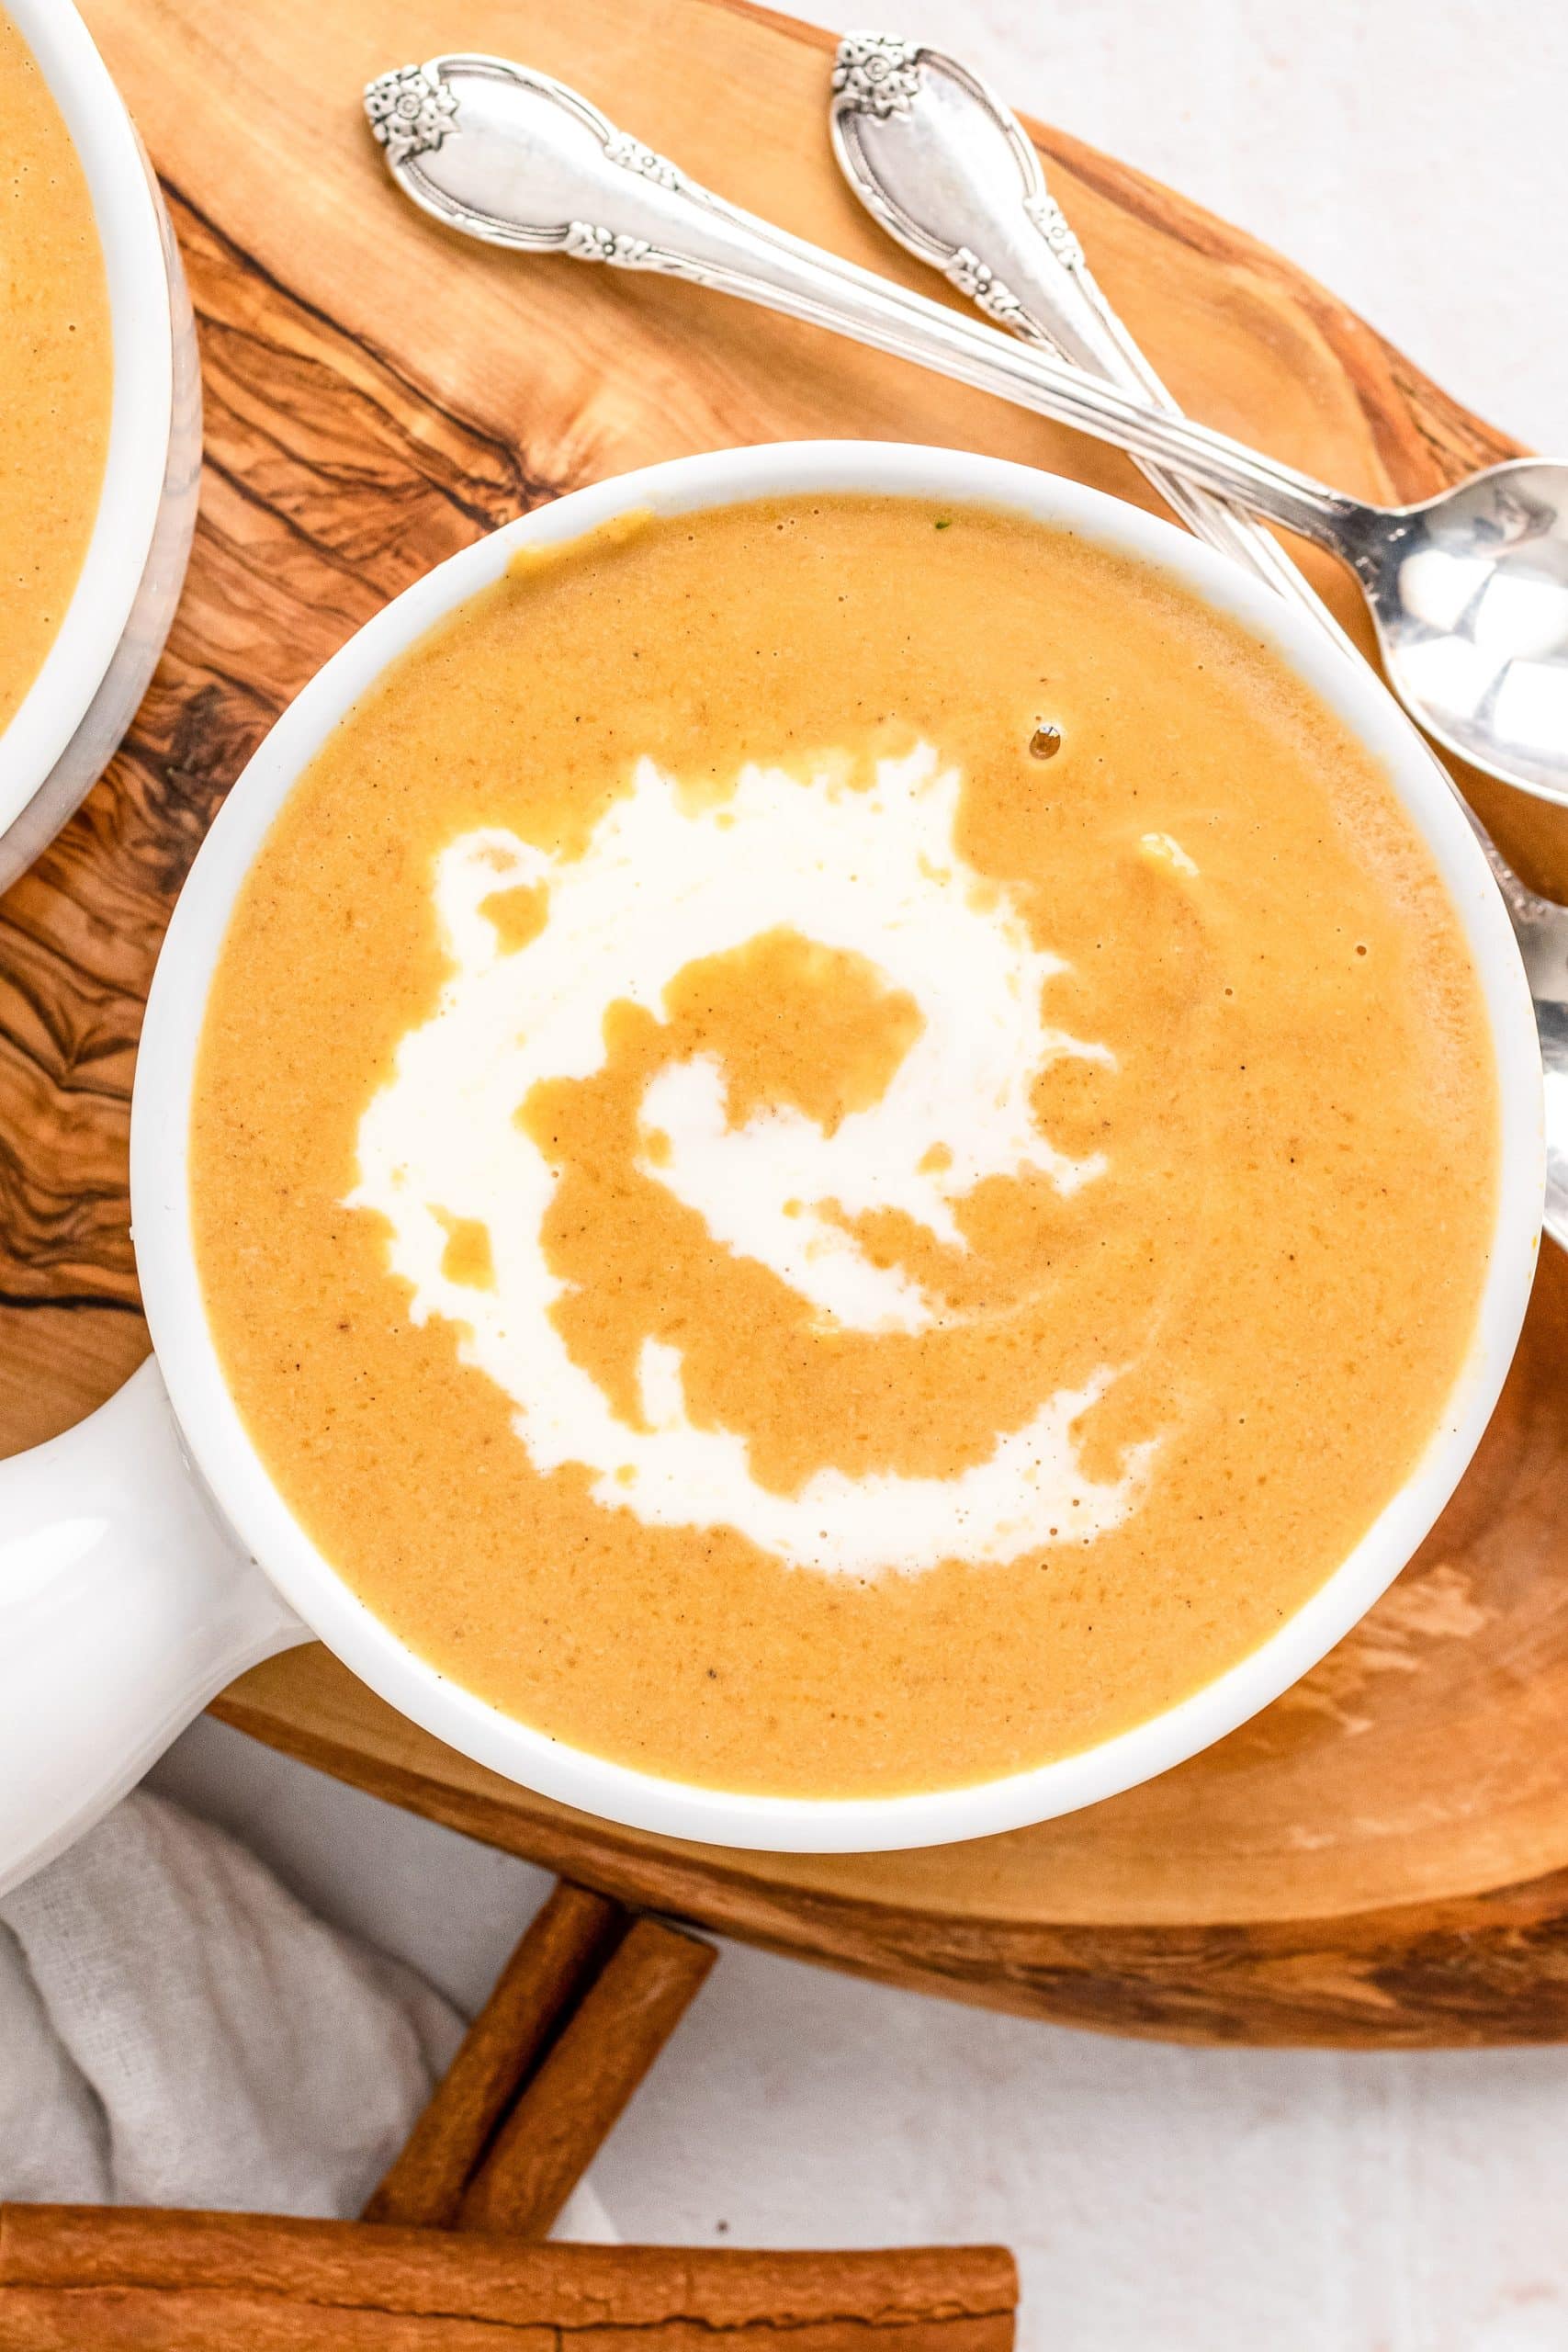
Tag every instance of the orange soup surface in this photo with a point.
(786, 1240)
(55, 372)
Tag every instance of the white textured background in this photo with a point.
(1415, 157)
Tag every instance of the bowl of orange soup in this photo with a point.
(836, 1147)
(100, 422)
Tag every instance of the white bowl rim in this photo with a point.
(125, 211)
(591, 1784)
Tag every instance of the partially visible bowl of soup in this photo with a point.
(100, 422)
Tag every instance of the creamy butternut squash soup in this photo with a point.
(55, 370)
(840, 1146)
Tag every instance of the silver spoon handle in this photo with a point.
(908, 119)
(517, 159)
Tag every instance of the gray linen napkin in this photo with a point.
(176, 2028)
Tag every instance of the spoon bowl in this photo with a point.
(1469, 590)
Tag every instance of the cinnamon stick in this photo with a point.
(548, 1971)
(112, 2278)
(564, 2112)
(146, 2319)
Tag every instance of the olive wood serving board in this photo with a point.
(1382, 1856)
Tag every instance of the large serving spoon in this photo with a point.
(517, 159)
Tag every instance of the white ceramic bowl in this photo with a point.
(64, 731)
(153, 1603)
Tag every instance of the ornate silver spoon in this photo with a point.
(1469, 590)
(517, 159)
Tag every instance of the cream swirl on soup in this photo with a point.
(868, 870)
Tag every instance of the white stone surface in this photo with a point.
(1161, 2199)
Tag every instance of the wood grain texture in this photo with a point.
(1383, 1855)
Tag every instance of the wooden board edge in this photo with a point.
(1468, 1971)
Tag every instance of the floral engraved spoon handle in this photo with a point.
(949, 171)
(514, 158)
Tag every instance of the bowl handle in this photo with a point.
(125, 1605)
